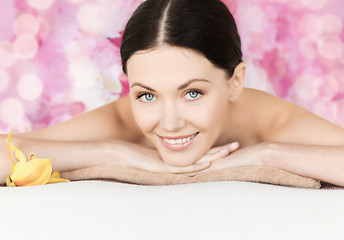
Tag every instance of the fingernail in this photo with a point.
(224, 150)
(233, 145)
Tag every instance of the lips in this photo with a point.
(176, 144)
(180, 137)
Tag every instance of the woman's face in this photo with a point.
(179, 100)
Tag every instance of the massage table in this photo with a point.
(95, 209)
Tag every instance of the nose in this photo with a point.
(171, 117)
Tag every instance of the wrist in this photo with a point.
(118, 152)
(268, 158)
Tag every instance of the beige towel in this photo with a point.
(250, 174)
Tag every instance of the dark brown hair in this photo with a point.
(205, 26)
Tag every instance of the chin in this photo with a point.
(179, 159)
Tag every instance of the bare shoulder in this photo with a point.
(283, 121)
(263, 113)
(110, 121)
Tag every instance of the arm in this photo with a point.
(325, 163)
(76, 143)
(111, 121)
(97, 137)
(79, 154)
(308, 145)
(303, 143)
(64, 155)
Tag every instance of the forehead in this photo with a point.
(169, 62)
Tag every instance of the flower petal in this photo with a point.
(34, 172)
(32, 156)
(56, 174)
(15, 167)
(9, 148)
(42, 180)
(9, 183)
(9, 153)
(57, 180)
(12, 168)
(19, 154)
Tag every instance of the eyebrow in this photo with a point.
(184, 85)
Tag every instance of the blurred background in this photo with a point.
(60, 58)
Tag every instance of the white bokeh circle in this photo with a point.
(11, 111)
(75, 1)
(314, 4)
(83, 72)
(330, 47)
(25, 47)
(326, 87)
(30, 87)
(329, 24)
(303, 90)
(92, 18)
(40, 4)
(26, 24)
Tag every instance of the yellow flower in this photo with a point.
(36, 171)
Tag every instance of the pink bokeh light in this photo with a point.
(59, 59)
(25, 47)
(26, 24)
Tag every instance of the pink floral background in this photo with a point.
(60, 58)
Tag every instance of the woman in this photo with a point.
(188, 106)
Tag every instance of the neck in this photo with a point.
(238, 124)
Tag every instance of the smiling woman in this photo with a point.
(188, 107)
(166, 104)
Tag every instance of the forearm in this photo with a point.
(325, 163)
(64, 155)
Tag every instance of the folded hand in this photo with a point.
(233, 156)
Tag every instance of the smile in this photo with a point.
(178, 143)
(178, 140)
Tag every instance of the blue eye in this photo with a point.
(148, 97)
(194, 94)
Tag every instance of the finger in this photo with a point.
(214, 156)
(219, 154)
(189, 169)
(216, 149)
(231, 146)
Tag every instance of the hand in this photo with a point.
(148, 159)
(248, 156)
(219, 152)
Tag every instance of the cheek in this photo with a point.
(146, 118)
(210, 114)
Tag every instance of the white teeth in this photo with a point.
(178, 141)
